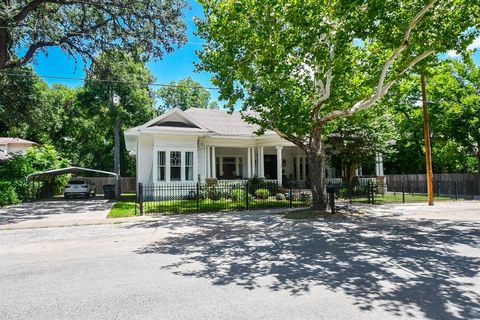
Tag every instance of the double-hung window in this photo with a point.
(161, 166)
(189, 166)
(174, 165)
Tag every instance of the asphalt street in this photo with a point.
(244, 266)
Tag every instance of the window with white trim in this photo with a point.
(175, 166)
(161, 166)
(189, 166)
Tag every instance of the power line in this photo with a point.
(106, 81)
(89, 34)
(105, 3)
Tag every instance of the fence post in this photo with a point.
(246, 196)
(290, 196)
(473, 191)
(373, 193)
(198, 198)
(403, 191)
(140, 197)
(368, 192)
(456, 191)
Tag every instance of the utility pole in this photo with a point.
(428, 149)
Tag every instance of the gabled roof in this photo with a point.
(198, 120)
(222, 122)
(8, 140)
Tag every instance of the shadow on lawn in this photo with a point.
(400, 266)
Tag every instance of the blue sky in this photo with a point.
(173, 67)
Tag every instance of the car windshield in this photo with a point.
(77, 182)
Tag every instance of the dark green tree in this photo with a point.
(184, 94)
(117, 95)
(86, 28)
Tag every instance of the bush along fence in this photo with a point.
(219, 196)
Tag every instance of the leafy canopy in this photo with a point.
(88, 27)
(302, 64)
(184, 94)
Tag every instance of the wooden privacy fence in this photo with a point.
(128, 183)
(461, 184)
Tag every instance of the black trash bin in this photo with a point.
(109, 191)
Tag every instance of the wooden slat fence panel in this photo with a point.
(462, 184)
(128, 183)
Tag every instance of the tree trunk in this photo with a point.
(116, 155)
(316, 163)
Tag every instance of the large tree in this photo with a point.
(184, 94)
(125, 78)
(88, 27)
(303, 64)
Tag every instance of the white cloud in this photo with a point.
(475, 44)
(453, 54)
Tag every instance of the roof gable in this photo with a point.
(174, 118)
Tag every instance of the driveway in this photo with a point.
(53, 212)
(244, 266)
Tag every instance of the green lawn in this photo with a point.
(397, 198)
(123, 209)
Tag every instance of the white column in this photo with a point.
(379, 164)
(249, 163)
(279, 165)
(207, 162)
(262, 161)
(253, 162)
(214, 167)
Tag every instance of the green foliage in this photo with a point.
(238, 195)
(7, 194)
(15, 170)
(25, 110)
(262, 194)
(303, 64)
(184, 94)
(86, 28)
(454, 108)
(131, 79)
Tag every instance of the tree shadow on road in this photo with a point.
(31, 211)
(402, 266)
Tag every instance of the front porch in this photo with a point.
(240, 163)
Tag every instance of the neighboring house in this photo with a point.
(12, 146)
(192, 145)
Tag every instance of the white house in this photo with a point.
(192, 145)
(11, 146)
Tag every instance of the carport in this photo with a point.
(46, 178)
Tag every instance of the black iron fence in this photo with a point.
(221, 196)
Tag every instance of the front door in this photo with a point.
(270, 166)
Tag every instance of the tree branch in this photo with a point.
(359, 106)
(297, 141)
(383, 88)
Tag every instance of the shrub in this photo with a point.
(262, 194)
(7, 194)
(214, 194)
(238, 195)
(280, 196)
